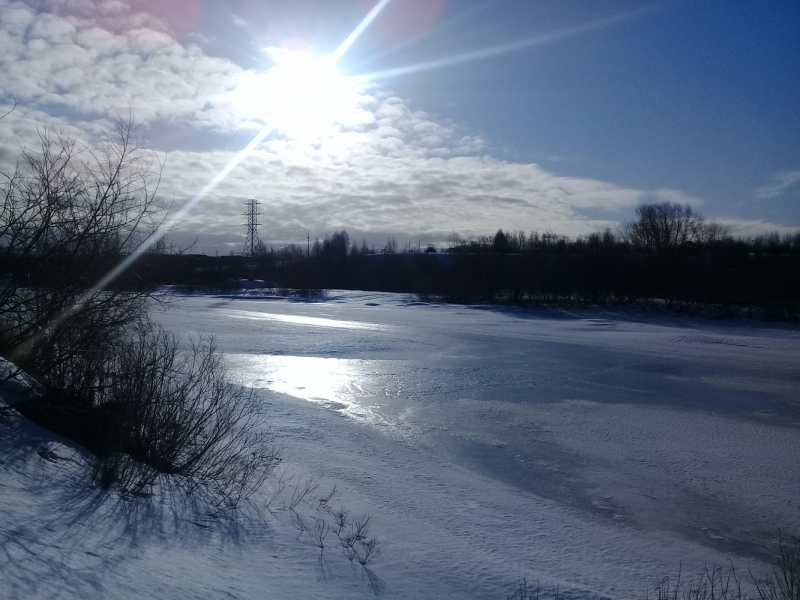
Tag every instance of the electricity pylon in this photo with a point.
(251, 241)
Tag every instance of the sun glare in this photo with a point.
(303, 96)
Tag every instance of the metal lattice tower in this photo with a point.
(251, 241)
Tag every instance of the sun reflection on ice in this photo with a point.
(334, 382)
(306, 320)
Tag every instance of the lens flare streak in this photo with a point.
(484, 53)
(345, 45)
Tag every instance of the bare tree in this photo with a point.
(660, 227)
(71, 216)
(710, 231)
(13, 107)
(68, 215)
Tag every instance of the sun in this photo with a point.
(302, 95)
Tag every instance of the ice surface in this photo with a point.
(593, 449)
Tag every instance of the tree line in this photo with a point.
(668, 254)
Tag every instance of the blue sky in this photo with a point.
(546, 115)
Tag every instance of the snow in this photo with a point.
(591, 449)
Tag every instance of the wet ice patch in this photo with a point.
(338, 384)
(307, 377)
(304, 320)
(600, 323)
(718, 339)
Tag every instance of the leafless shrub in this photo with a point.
(301, 490)
(359, 528)
(375, 583)
(784, 581)
(665, 590)
(713, 583)
(321, 529)
(718, 583)
(173, 411)
(523, 593)
(356, 544)
(298, 521)
(369, 550)
(341, 518)
(280, 485)
(352, 533)
(324, 499)
(145, 405)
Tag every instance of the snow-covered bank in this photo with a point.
(591, 449)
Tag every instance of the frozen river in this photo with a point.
(592, 449)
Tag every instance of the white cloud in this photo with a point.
(174, 18)
(405, 195)
(674, 196)
(781, 182)
(70, 61)
(750, 228)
